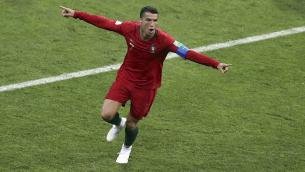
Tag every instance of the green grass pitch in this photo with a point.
(251, 119)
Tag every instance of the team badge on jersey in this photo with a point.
(152, 48)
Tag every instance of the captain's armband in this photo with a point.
(181, 49)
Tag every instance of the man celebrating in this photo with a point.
(139, 77)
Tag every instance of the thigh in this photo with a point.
(141, 102)
(117, 96)
(110, 108)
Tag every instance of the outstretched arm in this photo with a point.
(98, 21)
(194, 56)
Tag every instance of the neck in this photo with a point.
(144, 36)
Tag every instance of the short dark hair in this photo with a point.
(150, 9)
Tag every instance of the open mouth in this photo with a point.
(151, 30)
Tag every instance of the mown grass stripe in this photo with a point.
(113, 67)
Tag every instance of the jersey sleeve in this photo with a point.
(100, 21)
(192, 55)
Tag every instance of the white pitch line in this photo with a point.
(108, 68)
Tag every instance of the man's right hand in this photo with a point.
(67, 12)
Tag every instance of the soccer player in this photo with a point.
(139, 77)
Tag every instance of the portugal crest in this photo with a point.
(152, 49)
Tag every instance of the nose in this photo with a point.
(152, 23)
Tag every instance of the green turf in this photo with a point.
(251, 119)
(37, 42)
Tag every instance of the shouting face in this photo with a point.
(149, 22)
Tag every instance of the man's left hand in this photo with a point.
(223, 67)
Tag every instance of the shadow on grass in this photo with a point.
(294, 6)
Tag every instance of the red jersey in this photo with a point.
(142, 66)
(143, 62)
